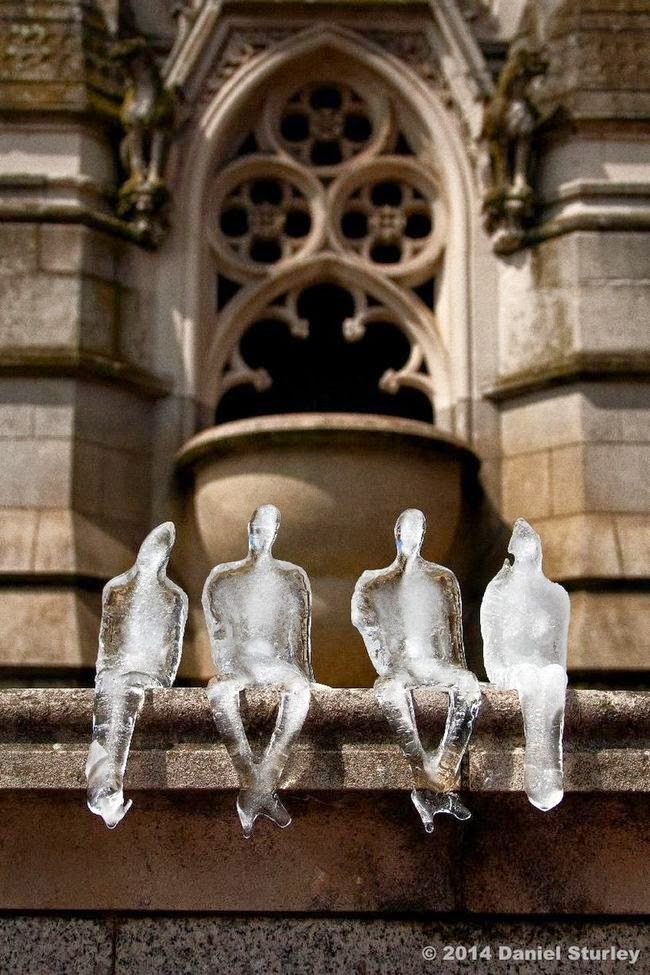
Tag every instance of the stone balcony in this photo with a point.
(356, 843)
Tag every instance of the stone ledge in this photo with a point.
(345, 746)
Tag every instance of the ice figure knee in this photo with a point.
(409, 615)
(140, 644)
(524, 623)
(258, 614)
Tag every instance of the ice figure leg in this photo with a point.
(262, 799)
(542, 693)
(464, 702)
(118, 701)
(223, 696)
(396, 702)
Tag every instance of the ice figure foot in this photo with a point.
(105, 796)
(544, 786)
(430, 804)
(251, 804)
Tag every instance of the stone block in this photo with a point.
(609, 631)
(541, 420)
(66, 541)
(267, 945)
(98, 316)
(633, 532)
(612, 317)
(18, 251)
(40, 310)
(616, 477)
(615, 412)
(583, 857)
(32, 945)
(48, 627)
(17, 539)
(75, 249)
(526, 486)
(113, 417)
(580, 546)
(609, 256)
(567, 475)
(344, 853)
(36, 474)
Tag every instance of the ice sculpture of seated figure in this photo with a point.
(140, 645)
(409, 616)
(258, 613)
(524, 623)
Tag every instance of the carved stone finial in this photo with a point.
(147, 117)
(509, 123)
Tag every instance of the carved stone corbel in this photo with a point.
(147, 115)
(510, 119)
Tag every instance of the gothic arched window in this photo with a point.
(326, 227)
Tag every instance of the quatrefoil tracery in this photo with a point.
(325, 125)
(267, 212)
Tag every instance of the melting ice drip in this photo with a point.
(524, 623)
(140, 644)
(409, 616)
(258, 613)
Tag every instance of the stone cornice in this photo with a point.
(345, 745)
(595, 366)
(83, 365)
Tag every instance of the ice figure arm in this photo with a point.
(300, 629)
(452, 588)
(491, 617)
(364, 618)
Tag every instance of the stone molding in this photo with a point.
(346, 744)
(581, 366)
(74, 364)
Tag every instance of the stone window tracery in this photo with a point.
(326, 179)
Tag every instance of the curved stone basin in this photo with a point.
(339, 480)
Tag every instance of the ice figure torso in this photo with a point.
(415, 615)
(258, 613)
(524, 619)
(142, 626)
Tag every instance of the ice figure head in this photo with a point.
(410, 528)
(263, 529)
(525, 545)
(156, 549)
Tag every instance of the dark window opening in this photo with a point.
(324, 373)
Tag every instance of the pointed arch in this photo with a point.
(447, 344)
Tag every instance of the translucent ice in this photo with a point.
(409, 616)
(140, 644)
(258, 613)
(525, 622)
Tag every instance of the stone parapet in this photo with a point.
(345, 745)
(356, 844)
